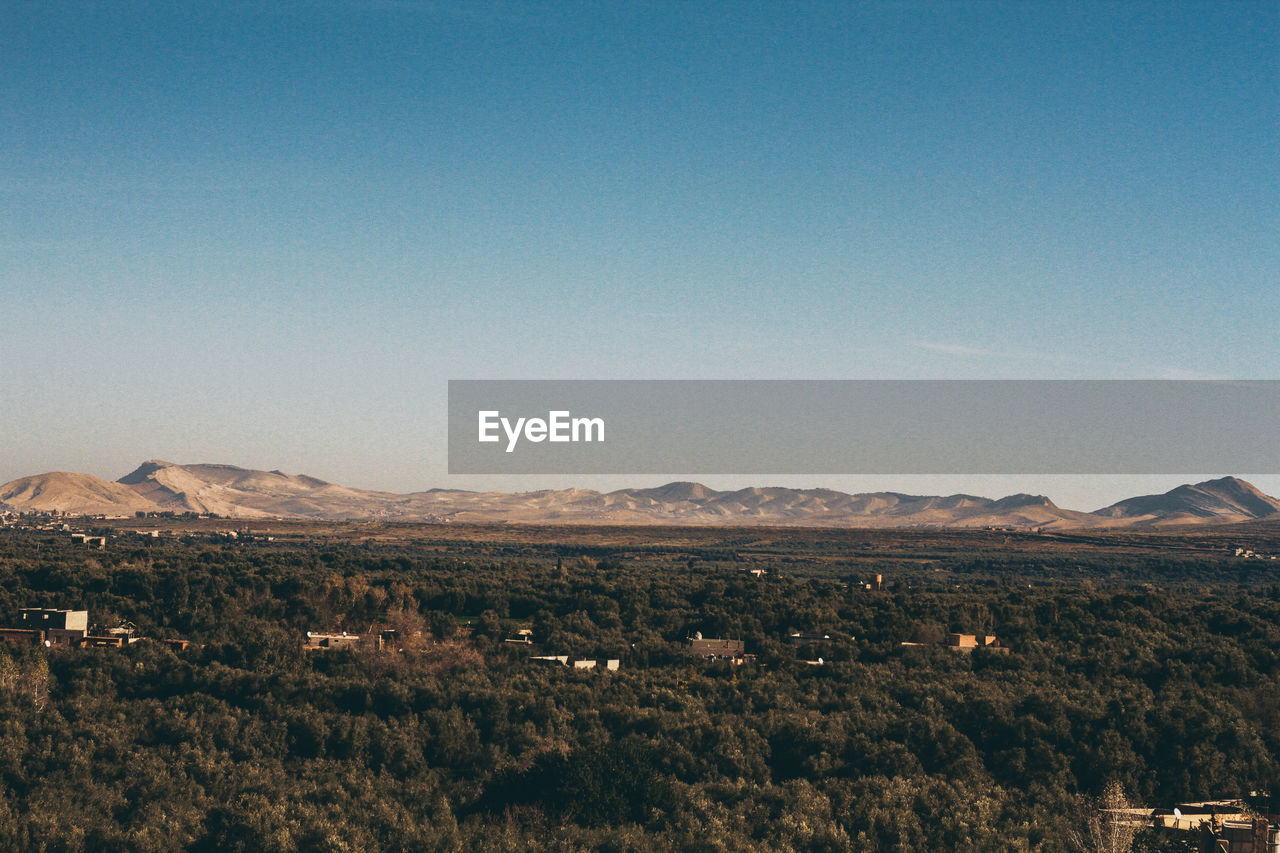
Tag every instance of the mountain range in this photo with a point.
(227, 490)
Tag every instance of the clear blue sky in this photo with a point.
(267, 233)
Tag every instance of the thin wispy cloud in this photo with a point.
(959, 349)
(1179, 373)
(1150, 371)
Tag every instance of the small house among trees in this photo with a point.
(969, 642)
(717, 649)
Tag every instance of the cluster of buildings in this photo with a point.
(1245, 835)
(809, 645)
(524, 637)
(734, 652)
(388, 640)
(706, 649)
(376, 641)
(70, 629)
(966, 643)
(969, 642)
(1218, 826)
(51, 521)
(43, 519)
(82, 532)
(577, 663)
(711, 649)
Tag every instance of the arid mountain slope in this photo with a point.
(1225, 499)
(245, 493)
(81, 494)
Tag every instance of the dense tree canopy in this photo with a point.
(1133, 672)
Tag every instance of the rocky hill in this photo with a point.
(236, 492)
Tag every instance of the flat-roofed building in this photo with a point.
(44, 619)
(22, 636)
(113, 641)
(317, 640)
(713, 649)
(969, 642)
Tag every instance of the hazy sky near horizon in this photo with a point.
(267, 233)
